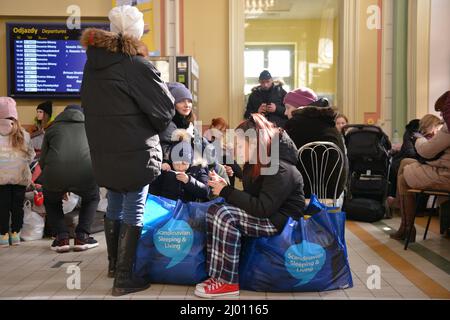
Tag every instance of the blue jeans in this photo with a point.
(128, 207)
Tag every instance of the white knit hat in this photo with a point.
(127, 20)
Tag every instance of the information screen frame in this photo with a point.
(73, 34)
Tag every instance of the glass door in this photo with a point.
(296, 40)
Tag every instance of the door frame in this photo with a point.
(347, 68)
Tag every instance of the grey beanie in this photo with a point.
(179, 91)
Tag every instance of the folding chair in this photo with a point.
(434, 193)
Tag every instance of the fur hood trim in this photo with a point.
(179, 135)
(276, 83)
(316, 112)
(112, 42)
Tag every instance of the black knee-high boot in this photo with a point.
(112, 230)
(124, 281)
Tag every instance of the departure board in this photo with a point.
(45, 60)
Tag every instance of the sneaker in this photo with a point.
(205, 283)
(4, 240)
(84, 243)
(61, 245)
(15, 238)
(217, 288)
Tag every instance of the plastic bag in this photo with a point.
(33, 224)
(172, 247)
(70, 204)
(103, 203)
(309, 255)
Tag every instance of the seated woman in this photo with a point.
(185, 180)
(216, 132)
(184, 119)
(261, 209)
(311, 119)
(428, 125)
(432, 172)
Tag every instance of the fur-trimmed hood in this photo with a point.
(109, 47)
(187, 135)
(276, 83)
(112, 42)
(327, 113)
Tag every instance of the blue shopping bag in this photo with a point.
(309, 255)
(173, 241)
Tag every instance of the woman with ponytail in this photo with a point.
(16, 154)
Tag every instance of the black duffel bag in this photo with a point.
(365, 210)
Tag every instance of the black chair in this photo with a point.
(433, 193)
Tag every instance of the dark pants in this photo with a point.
(54, 208)
(11, 204)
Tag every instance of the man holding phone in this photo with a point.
(267, 99)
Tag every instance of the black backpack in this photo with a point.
(362, 209)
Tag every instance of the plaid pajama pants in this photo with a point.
(225, 227)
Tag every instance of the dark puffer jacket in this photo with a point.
(126, 105)
(65, 159)
(276, 197)
(313, 124)
(167, 185)
(275, 95)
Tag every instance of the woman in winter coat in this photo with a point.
(261, 209)
(433, 173)
(42, 122)
(184, 119)
(427, 127)
(126, 106)
(311, 120)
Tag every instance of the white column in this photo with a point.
(439, 51)
(418, 57)
(236, 62)
(387, 66)
(172, 35)
(349, 58)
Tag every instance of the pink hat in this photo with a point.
(301, 97)
(8, 108)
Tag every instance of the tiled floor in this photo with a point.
(33, 271)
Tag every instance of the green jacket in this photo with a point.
(65, 158)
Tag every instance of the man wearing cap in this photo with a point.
(267, 99)
(126, 105)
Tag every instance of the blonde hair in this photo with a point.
(428, 123)
(17, 137)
